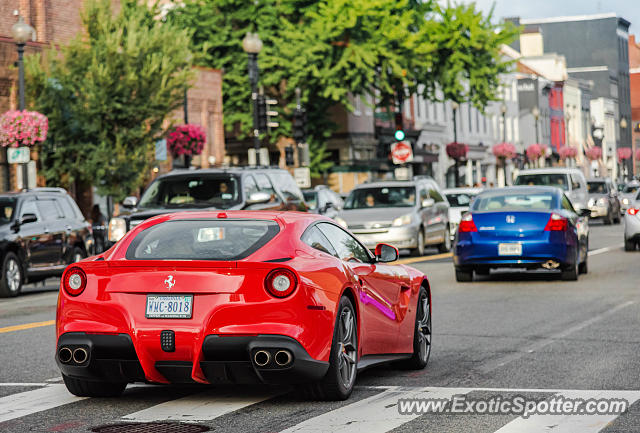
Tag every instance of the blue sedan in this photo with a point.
(522, 227)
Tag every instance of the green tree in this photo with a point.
(107, 95)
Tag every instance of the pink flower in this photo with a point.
(593, 153)
(22, 128)
(186, 140)
(567, 152)
(624, 153)
(504, 150)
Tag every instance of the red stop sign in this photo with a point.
(401, 152)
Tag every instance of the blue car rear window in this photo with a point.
(516, 201)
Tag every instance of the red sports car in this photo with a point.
(242, 297)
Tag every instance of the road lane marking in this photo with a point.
(26, 326)
(378, 413)
(604, 250)
(23, 384)
(204, 406)
(493, 365)
(25, 403)
(570, 423)
(422, 259)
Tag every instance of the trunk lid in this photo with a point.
(511, 225)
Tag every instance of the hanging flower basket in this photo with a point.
(535, 151)
(593, 153)
(22, 128)
(457, 151)
(624, 153)
(504, 151)
(186, 140)
(567, 152)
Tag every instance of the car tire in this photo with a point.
(87, 388)
(12, 276)
(463, 276)
(419, 250)
(421, 334)
(343, 362)
(445, 246)
(583, 267)
(629, 245)
(570, 273)
(77, 254)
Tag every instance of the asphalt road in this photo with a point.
(504, 335)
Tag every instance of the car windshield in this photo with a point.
(515, 201)
(396, 196)
(630, 189)
(7, 209)
(311, 198)
(558, 180)
(462, 199)
(202, 240)
(597, 187)
(192, 191)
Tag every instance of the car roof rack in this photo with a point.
(45, 189)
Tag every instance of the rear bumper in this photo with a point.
(534, 253)
(222, 359)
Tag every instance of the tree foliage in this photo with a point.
(107, 95)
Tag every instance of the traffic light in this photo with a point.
(266, 114)
(299, 125)
(288, 156)
(399, 134)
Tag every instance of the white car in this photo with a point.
(627, 195)
(632, 224)
(459, 200)
(570, 180)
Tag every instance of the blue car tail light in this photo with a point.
(556, 223)
(467, 224)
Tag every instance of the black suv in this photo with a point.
(41, 231)
(204, 189)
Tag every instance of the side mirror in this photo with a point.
(386, 253)
(584, 212)
(28, 218)
(130, 202)
(428, 202)
(259, 197)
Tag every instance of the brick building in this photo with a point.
(57, 22)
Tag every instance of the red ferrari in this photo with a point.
(240, 297)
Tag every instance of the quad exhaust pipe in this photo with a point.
(261, 358)
(283, 358)
(550, 264)
(65, 355)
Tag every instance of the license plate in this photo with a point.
(169, 306)
(510, 249)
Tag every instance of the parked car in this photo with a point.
(628, 195)
(459, 200)
(570, 180)
(603, 200)
(632, 224)
(42, 231)
(522, 227)
(242, 297)
(323, 201)
(405, 214)
(225, 189)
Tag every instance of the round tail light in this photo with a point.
(74, 281)
(281, 283)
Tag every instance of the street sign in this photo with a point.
(18, 155)
(302, 175)
(401, 152)
(161, 150)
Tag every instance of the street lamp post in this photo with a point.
(454, 107)
(21, 33)
(252, 45)
(536, 115)
(503, 110)
(623, 126)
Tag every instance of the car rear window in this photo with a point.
(192, 191)
(559, 180)
(515, 201)
(201, 239)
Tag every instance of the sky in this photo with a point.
(627, 9)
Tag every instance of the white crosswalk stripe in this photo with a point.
(29, 402)
(204, 406)
(378, 413)
(570, 423)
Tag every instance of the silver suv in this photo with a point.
(405, 214)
